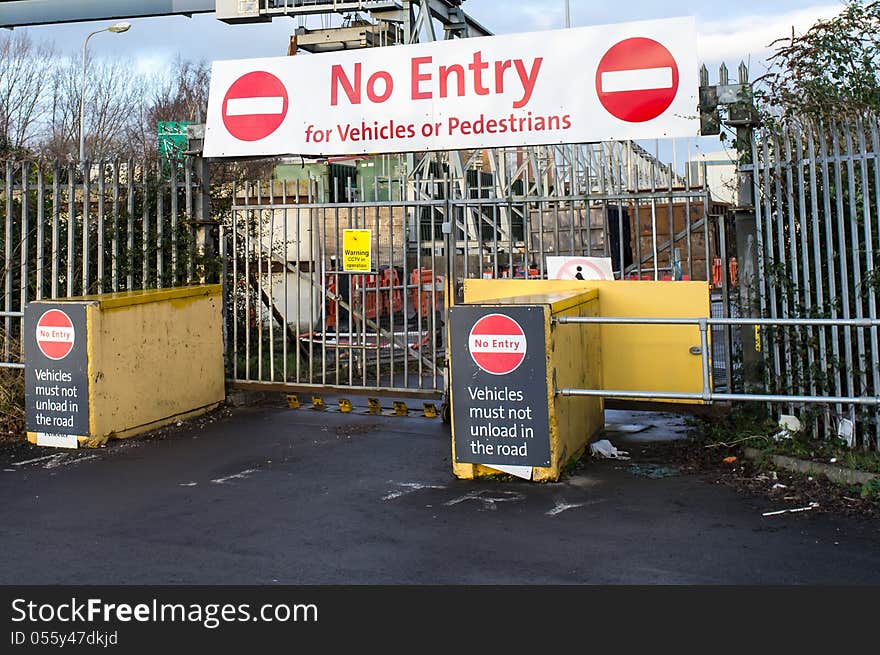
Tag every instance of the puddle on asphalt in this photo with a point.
(652, 471)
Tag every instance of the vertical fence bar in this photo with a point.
(258, 301)
(71, 226)
(671, 210)
(792, 344)
(813, 155)
(129, 230)
(806, 295)
(23, 251)
(56, 243)
(114, 254)
(270, 266)
(172, 180)
(870, 217)
(844, 263)
(654, 250)
(41, 232)
(314, 224)
(782, 276)
(829, 258)
(247, 282)
(188, 218)
(145, 228)
(100, 236)
(7, 263)
(285, 259)
(687, 226)
(235, 285)
(855, 247)
(86, 226)
(160, 226)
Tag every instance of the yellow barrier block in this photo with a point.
(400, 408)
(634, 357)
(374, 406)
(497, 425)
(293, 401)
(430, 410)
(344, 405)
(318, 403)
(151, 358)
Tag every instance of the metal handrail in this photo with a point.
(707, 395)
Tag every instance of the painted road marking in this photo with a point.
(562, 506)
(64, 460)
(36, 459)
(237, 476)
(408, 488)
(488, 501)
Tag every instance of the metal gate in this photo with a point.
(298, 321)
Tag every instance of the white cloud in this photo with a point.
(748, 38)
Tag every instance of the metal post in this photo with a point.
(205, 246)
(747, 250)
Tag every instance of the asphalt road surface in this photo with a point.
(269, 495)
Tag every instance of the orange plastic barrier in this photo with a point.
(430, 300)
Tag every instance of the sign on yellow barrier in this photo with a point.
(357, 251)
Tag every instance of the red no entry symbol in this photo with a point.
(55, 334)
(254, 106)
(497, 344)
(637, 80)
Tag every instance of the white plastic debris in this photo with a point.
(604, 448)
(845, 431)
(790, 423)
(795, 509)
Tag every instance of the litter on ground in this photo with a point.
(606, 449)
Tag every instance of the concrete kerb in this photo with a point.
(838, 474)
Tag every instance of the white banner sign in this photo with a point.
(609, 82)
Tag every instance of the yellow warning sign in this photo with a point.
(357, 251)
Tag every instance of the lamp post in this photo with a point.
(116, 29)
(567, 14)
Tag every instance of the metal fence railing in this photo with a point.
(817, 190)
(708, 392)
(122, 225)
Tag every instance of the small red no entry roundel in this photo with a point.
(637, 80)
(55, 334)
(497, 344)
(254, 106)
